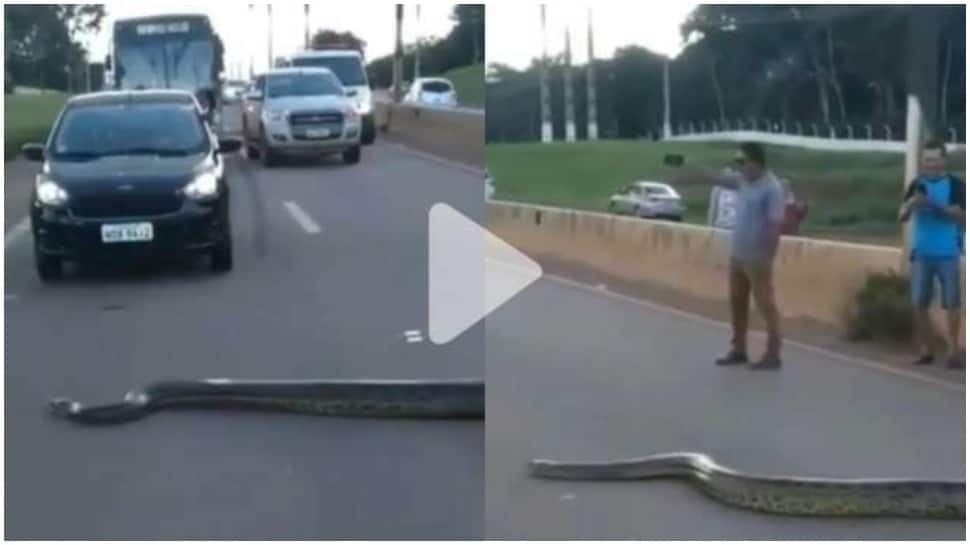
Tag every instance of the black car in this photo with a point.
(129, 175)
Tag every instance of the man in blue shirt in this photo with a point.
(936, 203)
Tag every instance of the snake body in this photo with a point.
(461, 398)
(778, 495)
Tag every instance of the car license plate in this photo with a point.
(318, 133)
(127, 232)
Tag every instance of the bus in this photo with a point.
(168, 52)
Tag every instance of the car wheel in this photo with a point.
(611, 207)
(222, 256)
(49, 268)
(266, 153)
(636, 212)
(368, 133)
(352, 156)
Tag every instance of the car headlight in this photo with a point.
(49, 193)
(204, 186)
(365, 107)
(351, 116)
(274, 116)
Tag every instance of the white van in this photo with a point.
(348, 65)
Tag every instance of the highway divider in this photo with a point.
(456, 134)
(814, 279)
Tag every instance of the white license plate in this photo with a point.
(318, 133)
(127, 232)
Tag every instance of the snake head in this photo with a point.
(62, 407)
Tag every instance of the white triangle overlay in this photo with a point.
(471, 272)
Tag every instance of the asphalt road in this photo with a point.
(575, 373)
(330, 302)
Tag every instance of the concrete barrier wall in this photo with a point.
(815, 279)
(807, 142)
(457, 135)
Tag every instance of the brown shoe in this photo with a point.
(732, 358)
(924, 359)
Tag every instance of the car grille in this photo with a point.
(316, 118)
(119, 206)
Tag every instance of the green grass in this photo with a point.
(27, 118)
(851, 196)
(469, 82)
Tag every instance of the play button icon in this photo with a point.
(471, 272)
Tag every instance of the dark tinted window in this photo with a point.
(349, 70)
(98, 130)
(435, 87)
(284, 85)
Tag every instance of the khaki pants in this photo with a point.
(747, 279)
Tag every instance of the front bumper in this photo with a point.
(282, 137)
(195, 228)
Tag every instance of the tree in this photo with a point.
(42, 47)
(325, 38)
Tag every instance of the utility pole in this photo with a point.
(667, 131)
(544, 82)
(592, 129)
(417, 42)
(252, 60)
(568, 102)
(306, 26)
(269, 35)
(398, 51)
(921, 98)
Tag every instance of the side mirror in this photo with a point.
(229, 145)
(254, 96)
(33, 152)
(107, 62)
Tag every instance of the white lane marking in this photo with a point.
(869, 364)
(302, 218)
(567, 497)
(15, 233)
(412, 336)
(601, 287)
(470, 169)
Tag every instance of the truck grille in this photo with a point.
(316, 118)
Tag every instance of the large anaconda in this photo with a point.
(460, 398)
(778, 494)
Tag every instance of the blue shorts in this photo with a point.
(922, 274)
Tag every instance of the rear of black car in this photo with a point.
(130, 176)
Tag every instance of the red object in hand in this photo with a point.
(795, 212)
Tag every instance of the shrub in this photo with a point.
(881, 309)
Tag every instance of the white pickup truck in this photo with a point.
(299, 111)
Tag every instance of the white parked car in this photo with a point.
(489, 188)
(433, 92)
(648, 200)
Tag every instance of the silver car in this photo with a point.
(648, 200)
(300, 111)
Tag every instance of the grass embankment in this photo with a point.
(469, 82)
(28, 118)
(851, 196)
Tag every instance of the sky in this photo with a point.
(654, 25)
(245, 33)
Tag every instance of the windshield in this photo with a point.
(284, 85)
(121, 129)
(436, 87)
(349, 70)
(170, 61)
